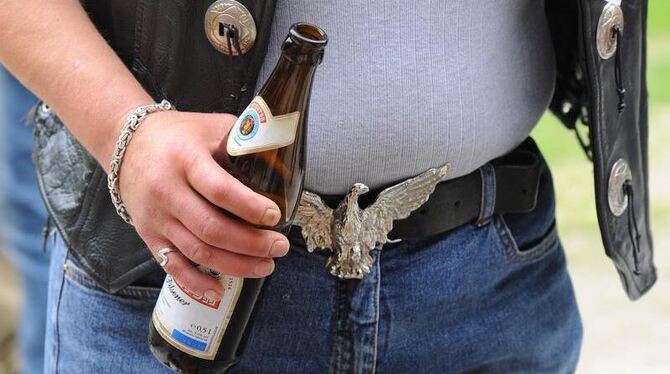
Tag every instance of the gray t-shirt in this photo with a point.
(406, 86)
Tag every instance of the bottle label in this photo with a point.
(257, 130)
(192, 323)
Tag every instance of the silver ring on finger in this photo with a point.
(162, 255)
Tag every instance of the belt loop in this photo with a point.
(488, 202)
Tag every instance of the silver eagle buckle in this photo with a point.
(349, 232)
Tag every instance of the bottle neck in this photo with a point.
(302, 54)
(289, 85)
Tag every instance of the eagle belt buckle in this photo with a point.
(349, 232)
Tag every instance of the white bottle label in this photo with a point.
(191, 323)
(257, 130)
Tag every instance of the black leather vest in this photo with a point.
(164, 45)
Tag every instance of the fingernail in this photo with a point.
(279, 248)
(264, 268)
(212, 295)
(270, 217)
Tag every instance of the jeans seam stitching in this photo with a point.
(334, 354)
(503, 236)
(376, 303)
(337, 354)
(57, 317)
(483, 198)
(488, 192)
(482, 204)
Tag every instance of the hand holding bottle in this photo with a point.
(178, 197)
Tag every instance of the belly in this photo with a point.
(404, 88)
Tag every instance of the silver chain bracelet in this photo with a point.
(129, 127)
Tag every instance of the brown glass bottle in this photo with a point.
(266, 151)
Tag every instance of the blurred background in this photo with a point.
(619, 336)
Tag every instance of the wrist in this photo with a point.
(130, 125)
(103, 147)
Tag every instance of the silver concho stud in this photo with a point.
(230, 27)
(616, 197)
(606, 39)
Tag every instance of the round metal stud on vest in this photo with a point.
(606, 38)
(230, 27)
(616, 196)
(44, 108)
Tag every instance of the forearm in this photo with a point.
(56, 52)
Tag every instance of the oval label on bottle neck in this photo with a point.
(257, 130)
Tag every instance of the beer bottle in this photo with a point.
(265, 150)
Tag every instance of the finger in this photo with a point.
(187, 275)
(211, 181)
(222, 261)
(213, 227)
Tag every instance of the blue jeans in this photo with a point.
(22, 218)
(495, 298)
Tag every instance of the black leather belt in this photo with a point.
(462, 200)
